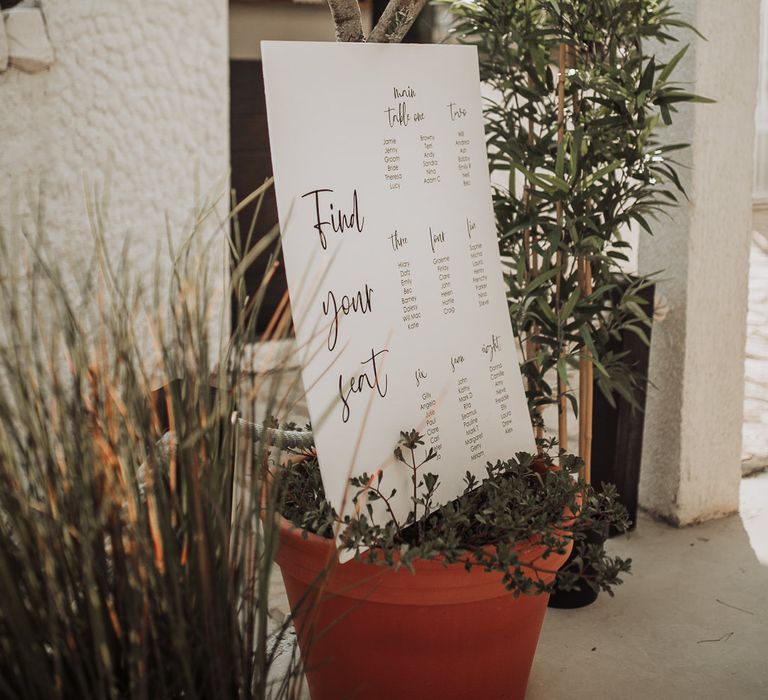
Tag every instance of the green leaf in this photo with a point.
(674, 96)
(574, 403)
(665, 114)
(540, 279)
(640, 333)
(671, 65)
(545, 309)
(553, 181)
(578, 135)
(598, 174)
(642, 221)
(646, 82)
(636, 310)
(560, 161)
(570, 305)
(599, 367)
(586, 334)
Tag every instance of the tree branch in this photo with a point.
(346, 18)
(396, 20)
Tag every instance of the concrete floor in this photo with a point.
(690, 622)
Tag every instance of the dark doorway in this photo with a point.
(251, 166)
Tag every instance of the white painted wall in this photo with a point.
(138, 96)
(760, 188)
(692, 445)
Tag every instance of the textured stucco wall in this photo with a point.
(138, 96)
(692, 443)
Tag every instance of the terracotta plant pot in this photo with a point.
(366, 631)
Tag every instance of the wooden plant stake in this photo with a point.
(586, 369)
(586, 374)
(531, 272)
(562, 384)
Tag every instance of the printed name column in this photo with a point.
(497, 377)
(429, 408)
(392, 175)
(443, 269)
(463, 160)
(411, 313)
(477, 258)
(473, 436)
(429, 160)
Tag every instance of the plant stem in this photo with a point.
(562, 385)
(389, 508)
(414, 469)
(347, 20)
(531, 271)
(584, 279)
(396, 20)
(586, 375)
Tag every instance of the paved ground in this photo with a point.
(755, 435)
(691, 622)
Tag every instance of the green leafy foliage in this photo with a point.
(518, 500)
(609, 170)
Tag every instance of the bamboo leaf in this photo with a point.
(570, 304)
(671, 65)
(646, 81)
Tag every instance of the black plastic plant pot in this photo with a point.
(617, 444)
(582, 594)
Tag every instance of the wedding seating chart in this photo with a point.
(392, 262)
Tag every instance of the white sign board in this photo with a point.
(393, 267)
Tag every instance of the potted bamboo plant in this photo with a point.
(576, 103)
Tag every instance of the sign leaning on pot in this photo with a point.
(393, 267)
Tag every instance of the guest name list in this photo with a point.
(393, 268)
